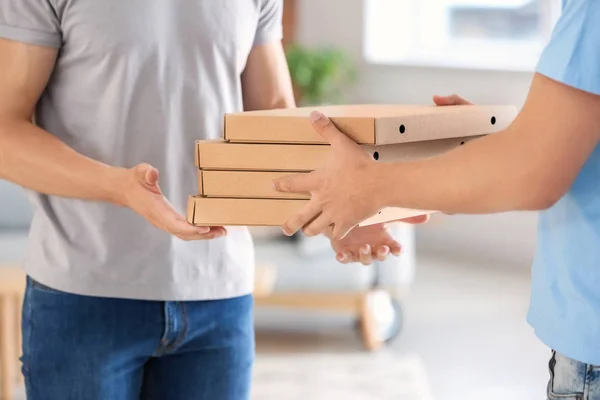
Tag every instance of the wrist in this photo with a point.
(116, 183)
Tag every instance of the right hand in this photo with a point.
(142, 194)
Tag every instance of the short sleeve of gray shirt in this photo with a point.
(30, 21)
(269, 23)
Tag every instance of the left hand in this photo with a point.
(366, 244)
(342, 192)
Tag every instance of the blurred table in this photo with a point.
(12, 289)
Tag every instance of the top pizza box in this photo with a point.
(369, 124)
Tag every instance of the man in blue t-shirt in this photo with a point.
(547, 160)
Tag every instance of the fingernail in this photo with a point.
(365, 250)
(316, 116)
(341, 257)
(384, 251)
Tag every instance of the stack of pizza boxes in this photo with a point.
(236, 174)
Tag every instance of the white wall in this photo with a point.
(509, 237)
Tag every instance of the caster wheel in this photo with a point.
(387, 317)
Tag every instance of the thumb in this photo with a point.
(151, 176)
(146, 174)
(326, 128)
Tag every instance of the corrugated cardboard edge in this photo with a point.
(211, 209)
(191, 209)
(390, 214)
(280, 126)
(472, 121)
(229, 156)
(197, 153)
(209, 178)
(201, 182)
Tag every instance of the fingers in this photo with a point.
(396, 249)
(182, 228)
(345, 257)
(419, 219)
(301, 218)
(364, 255)
(319, 225)
(207, 233)
(207, 236)
(381, 253)
(299, 183)
(452, 100)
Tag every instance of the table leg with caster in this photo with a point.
(7, 348)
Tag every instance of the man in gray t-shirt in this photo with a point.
(124, 295)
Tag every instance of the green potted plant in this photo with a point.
(319, 75)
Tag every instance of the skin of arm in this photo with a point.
(528, 166)
(35, 159)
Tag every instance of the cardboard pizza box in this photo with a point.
(248, 184)
(372, 124)
(205, 211)
(221, 155)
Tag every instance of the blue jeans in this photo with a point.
(91, 348)
(572, 380)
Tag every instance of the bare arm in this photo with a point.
(37, 160)
(528, 166)
(266, 82)
(30, 156)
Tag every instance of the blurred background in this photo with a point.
(447, 319)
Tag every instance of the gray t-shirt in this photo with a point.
(139, 81)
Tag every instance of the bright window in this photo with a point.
(481, 34)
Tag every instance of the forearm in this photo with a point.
(503, 172)
(37, 160)
(529, 166)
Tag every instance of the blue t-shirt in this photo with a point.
(565, 300)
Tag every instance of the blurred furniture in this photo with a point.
(309, 277)
(264, 280)
(12, 288)
(15, 217)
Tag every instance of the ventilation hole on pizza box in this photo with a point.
(379, 213)
(461, 143)
(493, 121)
(402, 129)
(376, 155)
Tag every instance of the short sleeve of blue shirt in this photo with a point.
(565, 299)
(573, 54)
